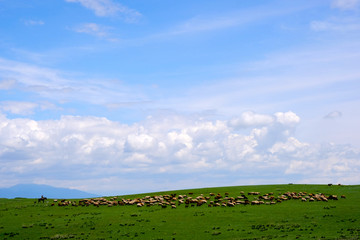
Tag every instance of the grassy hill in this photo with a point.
(288, 219)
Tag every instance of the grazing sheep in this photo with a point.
(333, 197)
(172, 200)
(230, 204)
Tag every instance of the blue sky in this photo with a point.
(113, 97)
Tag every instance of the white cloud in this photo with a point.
(82, 148)
(15, 107)
(33, 22)
(140, 160)
(292, 145)
(97, 30)
(333, 115)
(105, 8)
(328, 162)
(345, 4)
(32, 76)
(251, 119)
(238, 148)
(26, 108)
(140, 142)
(92, 29)
(287, 118)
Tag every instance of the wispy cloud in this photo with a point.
(106, 8)
(33, 22)
(281, 80)
(93, 29)
(203, 23)
(20, 108)
(26, 108)
(339, 25)
(31, 75)
(200, 24)
(7, 84)
(59, 86)
(345, 4)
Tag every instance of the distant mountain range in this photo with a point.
(36, 190)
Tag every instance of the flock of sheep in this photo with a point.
(212, 200)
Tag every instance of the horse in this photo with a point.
(42, 199)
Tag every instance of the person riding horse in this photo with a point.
(42, 199)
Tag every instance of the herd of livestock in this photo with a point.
(189, 200)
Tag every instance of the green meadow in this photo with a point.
(291, 219)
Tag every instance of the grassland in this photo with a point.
(292, 219)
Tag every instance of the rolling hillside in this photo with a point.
(289, 218)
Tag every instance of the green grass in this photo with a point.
(292, 219)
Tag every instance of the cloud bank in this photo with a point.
(167, 152)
